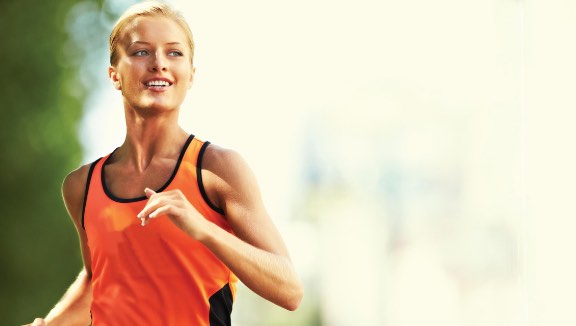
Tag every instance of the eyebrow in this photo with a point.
(144, 42)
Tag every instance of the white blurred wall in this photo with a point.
(550, 161)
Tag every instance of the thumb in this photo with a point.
(38, 322)
(149, 192)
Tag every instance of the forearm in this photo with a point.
(74, 307)
(261, 262)
(269, 275)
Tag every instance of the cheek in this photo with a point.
(131, 70)
(189, 78)
(130, 81)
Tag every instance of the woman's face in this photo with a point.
(154, 69)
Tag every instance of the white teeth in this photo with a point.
(157, 83)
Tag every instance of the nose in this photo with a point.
(159, 62)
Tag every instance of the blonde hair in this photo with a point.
(147, 9)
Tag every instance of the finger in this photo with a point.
(149, 192)
(157, 208)
(158, 201)
(146, 219)
(163, 210)
(166, 206)
(151, 205)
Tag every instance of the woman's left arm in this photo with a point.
(257, 254)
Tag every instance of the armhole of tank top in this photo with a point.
(199, 178)
(90, 171)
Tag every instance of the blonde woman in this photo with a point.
(167, 222)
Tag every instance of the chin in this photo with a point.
(156, 105)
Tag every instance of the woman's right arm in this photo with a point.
(74, 307)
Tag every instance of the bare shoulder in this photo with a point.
(235, 186)
(73, 189)
(223, 161)
(227, 176)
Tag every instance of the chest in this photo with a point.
(126, 182)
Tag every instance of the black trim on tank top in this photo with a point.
(87, 187)
(199, 178)
(130, 200)
(221, 307)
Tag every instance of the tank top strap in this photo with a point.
(95, 169)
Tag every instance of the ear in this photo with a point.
(191, 77)
(114, 77)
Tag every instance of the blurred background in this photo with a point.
(417, 156)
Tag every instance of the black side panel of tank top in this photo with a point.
(87, 187)
(221, 307)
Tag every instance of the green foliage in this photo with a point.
(41, 107)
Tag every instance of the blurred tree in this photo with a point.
(42, 105)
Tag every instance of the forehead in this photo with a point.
(153, 29)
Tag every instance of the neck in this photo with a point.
(149, 137)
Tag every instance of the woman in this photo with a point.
(166, 222)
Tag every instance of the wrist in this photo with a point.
(206, 232)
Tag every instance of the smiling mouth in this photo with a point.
(158, 84)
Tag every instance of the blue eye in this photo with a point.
(140, 53)
(175, 54)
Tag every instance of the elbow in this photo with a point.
(294, 299)
(293, 304)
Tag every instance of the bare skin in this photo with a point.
(153, 48)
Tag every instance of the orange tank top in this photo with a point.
(156, 274)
